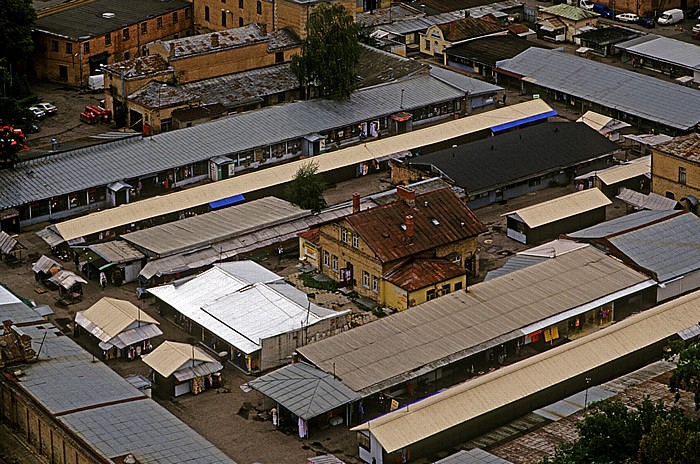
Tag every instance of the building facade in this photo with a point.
(675, 170)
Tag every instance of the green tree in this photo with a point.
(16, 24)
(687, 373)
(306, 189)
(330, 52)
(671, 441)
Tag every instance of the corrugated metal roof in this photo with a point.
(420, 273)
(473, 87)
(169, 357)
(473, 456)
(664, 49)
(562, 207)
(66, 279)
(111, 316)
(9, 244)
(85, 18)
(131, 336)
(570, 12)
(535, 255)
(413, 342)
(116, 251)
(601, 123)
(275, 175)
(238, 312)
(407, 26)
(44, 263)
(99, 165)
(611, 87)
(304, 390)
(652, 201)
(467, 28)
(669, 248)
(622, 224)
(472, 399)
(439, 218)
(15, 310)
(622, 172)
(215, 226)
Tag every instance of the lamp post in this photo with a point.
(123, 110)
(585, 401)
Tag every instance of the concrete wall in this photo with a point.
(51, 53)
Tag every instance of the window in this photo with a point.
(63, 72)
(458, 286)
(355, 241)
(365, 279)
(444, 290)
(125, 33)
(69, 48)
(334, 263)
(363, 440)
(326, 259)
(223, 18)
(258, 7)
(159, 22)
(175, 18)
(279, 57)
(54, 45)
(344, 235)
(108, 39)
(430, 295)
(144, 28)
(240, 4)
(187, 12)
(427, 45)
(682, 176)
(86, 47)
(206, 13)
(240, 22)
(375, 284)
(127, 56)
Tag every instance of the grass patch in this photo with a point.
(309, 281)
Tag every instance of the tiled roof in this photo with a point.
(140, 67)
(312, 235)
(421, 273)
(467, 28)
(439, 218)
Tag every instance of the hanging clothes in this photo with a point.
(303, 428)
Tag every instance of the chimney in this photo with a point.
(406, 194)
(355, 203)
(409, 228)
(7, 326)
(214, 40)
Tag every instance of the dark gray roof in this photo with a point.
(304, 390)
(473, 87)
(103, 408)
(489, 50)
(665, 50)
(515, 263)
(638, 95)
(621, 224)
(669, 248)
(518, 155)
(101, 164)
(85, 19)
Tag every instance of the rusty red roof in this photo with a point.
(311, 235)
(421, 273)
(439, 218)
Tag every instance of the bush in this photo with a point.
(309, 281)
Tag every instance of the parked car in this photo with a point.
(669, 17)
(627, 17)
(47, 107)
(28, 128)
(647, 22)
(37, 112)
(695, 34)
(603, 10)
(696, 28)
(586, 5)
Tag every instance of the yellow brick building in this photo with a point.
(403, 253)
(675, 170)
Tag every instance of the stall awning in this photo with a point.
(118, 186)
(228, 201)
(520, 122)
(402, 116)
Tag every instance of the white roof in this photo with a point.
(170, 357)
(67, 279)
(238, 312)
(479, 396)
(653, 201)
(109, 318)
(649, 139)
(277, 175)
(601, 123)
(562, 207)
(621, 172)
(553, 249)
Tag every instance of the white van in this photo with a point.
(586, 5)
(670, 17)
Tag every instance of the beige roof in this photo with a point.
(117, 251)
(112, 316)
(562, 207)
(416, 341)
(168, 357)
(522, 379)
(378, 149)
(622, 172)
(594, 120)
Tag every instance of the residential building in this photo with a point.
(403, 253)
(603, 89)
(72, 41)
(440, 36)
(675, 170)
(560, 23)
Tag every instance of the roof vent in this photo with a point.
(108, 15)
(435, 222)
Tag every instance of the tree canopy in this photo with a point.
(306, 189)
(16, 24)
(687, 373)
(330, 52)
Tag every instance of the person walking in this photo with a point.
(103, 280)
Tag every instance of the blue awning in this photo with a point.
(520, 122)
(227, 201)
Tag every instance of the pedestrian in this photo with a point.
(103, 280)
(280, 252)
(273, 411)
(76, 260)
(504, 98)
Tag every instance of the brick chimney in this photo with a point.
(355, 203)
(406, 194)
(409, 228)
(214, 40)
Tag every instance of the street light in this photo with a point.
(585, 401)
